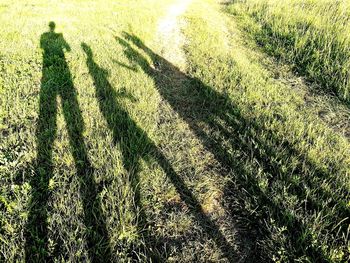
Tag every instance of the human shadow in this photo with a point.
(197, 103)
(57, 81)
(136, 145)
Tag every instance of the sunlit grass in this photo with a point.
(229, 158)
(314, 35)
(294, 168)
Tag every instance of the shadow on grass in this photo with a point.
(136, 145)
(57, 81)
(197, 103)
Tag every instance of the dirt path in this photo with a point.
(180, 130)
(169, 33)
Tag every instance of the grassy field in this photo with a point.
(293, 167)
(162, 131)
(311, 34)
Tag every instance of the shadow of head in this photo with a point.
(52, 26)
(134, 39)
(101, 74)
(86, 49)
(127, 39)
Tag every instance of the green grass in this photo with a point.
(290, 188)
(109, 152)
(94, 164)
(313, 35)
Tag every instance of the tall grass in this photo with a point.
(311, 34)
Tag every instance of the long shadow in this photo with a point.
(197, 103)
(57, 81)
(136, 145)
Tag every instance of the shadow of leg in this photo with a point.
(123, 129)
(94, 219)
(36, 230)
